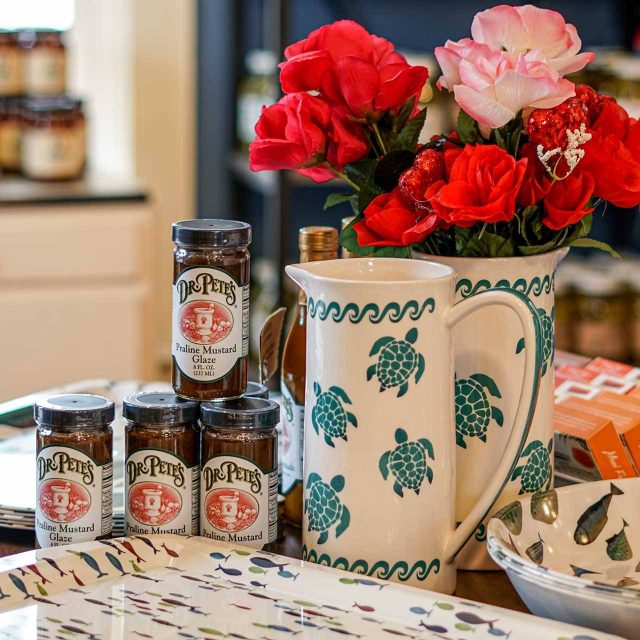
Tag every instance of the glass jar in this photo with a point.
(44, 61)
(11, 134)
(257, 89)
(10, 66)
(162, 464)
(74, 466)
(239, 477)
(601, 327)
(53, 138)
(210, 344)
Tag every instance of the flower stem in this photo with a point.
(379, 138)
(342, 176)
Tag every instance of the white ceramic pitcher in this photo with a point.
(379, 468)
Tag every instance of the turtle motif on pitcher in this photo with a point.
(546, 336)
(330, 415)
(536, 472)
(397, 362)
(407, 463)
(474, 410)
(324, 507)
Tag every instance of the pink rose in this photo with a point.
(515, 61)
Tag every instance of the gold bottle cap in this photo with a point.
(318, 239)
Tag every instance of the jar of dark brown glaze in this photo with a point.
(74, 467)
(239, 478)
(210, 344)
(162, 468)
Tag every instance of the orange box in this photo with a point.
(587, 446)
(573, 373)
(613, 368)
(624, 412)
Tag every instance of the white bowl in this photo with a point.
(573, 554)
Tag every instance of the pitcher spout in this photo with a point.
(299, 274)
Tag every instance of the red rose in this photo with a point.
(352, 68)
(483, 184)
(612, 156)
(566, 202)
(300, 132)
(390, 222)
(536, 183)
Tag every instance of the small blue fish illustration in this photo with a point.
(176, 569)
(420, 611)
(307, 623)
(499, 633)
(137, 575)
(116, 563)
(435, 628)
(228, 571)
(75, 590)
(90, 561)
(288, 574)
(148, 543)
(53, 564)
(276, 627)
(344, 632)
(98, 602)
(119, 551)
(219, 556)
(255, 583)
(265, 563)
(265, 597)
(472, 618)
(20, 585)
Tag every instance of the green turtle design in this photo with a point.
(324, 508)
(546, 338)
(474, 411)
(397, 361)
(330, 415)
(536, 472)
(408, 463)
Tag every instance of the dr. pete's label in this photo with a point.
(238, 501)
(161, 494)
(210, 323)
(74, 501)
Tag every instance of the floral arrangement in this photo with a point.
(532, 157)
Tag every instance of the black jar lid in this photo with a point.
(51, 104)
(75, 410)
(212, 232)
(242, 413)
(158, 407)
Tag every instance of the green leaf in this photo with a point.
(361, 171)
(408, 137)
(349, 240)
(391, 167)
(534, 250)
(591, 243)
(336, 198)
(469, 243)
(467, 128)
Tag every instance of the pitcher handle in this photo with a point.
(528, 317)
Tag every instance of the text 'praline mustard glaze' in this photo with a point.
(74, 467)
(210, 339)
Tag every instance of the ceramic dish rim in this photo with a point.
(503, 556)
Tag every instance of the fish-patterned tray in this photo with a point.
(194, 588)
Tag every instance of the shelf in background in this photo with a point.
(265, 182)
(17, 190)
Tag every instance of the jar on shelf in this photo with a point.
(53, 138)
(44, 61)
(10, 67)
(11, 134)
(601, 326)
(256, 89)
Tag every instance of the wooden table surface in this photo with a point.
(491, 587)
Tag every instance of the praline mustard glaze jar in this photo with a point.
(239, 477)
(11, 134)
(210, 338)
(162, 470)
(74, 468)
(44, 61)
(10, 66)
(53, 138)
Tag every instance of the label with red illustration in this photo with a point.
(238, 501)
(74, 500)
(161, 494)
(210, 323)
